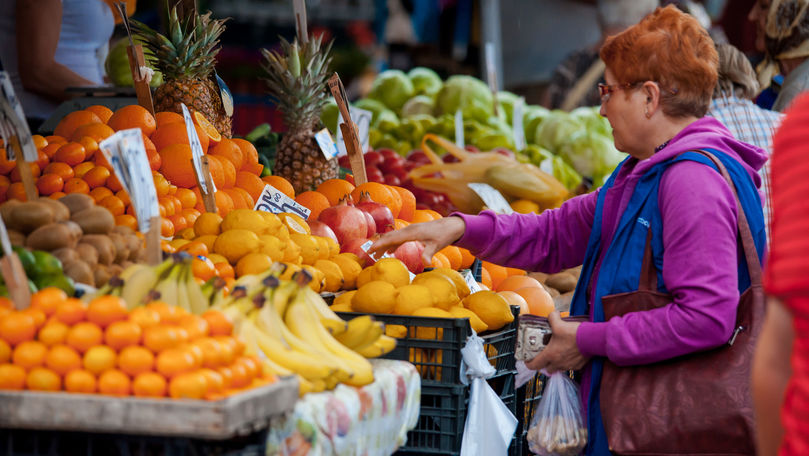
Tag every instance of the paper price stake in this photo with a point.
(126, 153)
(459, 139)
(362, 119)
(517, 124)
(136, 63)
(491, 74)
(200, 163)
(349, 131)
(470, 281)
(16, 136)
(301, 27)
(272, 200)
(13, 272)
(492, 198)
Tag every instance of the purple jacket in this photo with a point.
(699, 237)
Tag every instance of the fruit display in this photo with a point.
(81, 236)
(62, 344)
(43, 271)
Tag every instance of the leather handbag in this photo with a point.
(697, 404)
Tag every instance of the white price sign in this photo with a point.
(15, 124)
(367, 245)
(491, 197)
(517, 123)
(459, 140)
(127, 155)
(362, 119)
(196, 150)
(327, 146)
(470, 281)
(272, 200)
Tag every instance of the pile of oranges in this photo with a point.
(70, 162)
(61, 344)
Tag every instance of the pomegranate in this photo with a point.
(409, 253)
(380, 214)
(346, 221)
(371, 224)
(321, 229)
(355, 246)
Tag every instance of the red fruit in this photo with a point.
(380, 214)
(346, 221)
(319, 228)
(355, 246)
(409, 253)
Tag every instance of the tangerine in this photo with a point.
(100, 358)
(43, 379)
(81, 169)
(71, 311)
(62, 359)
(48, 184)
(174, 361)
(29, 354)
(218, 322)
(127, 220)
(149, 384)
(76, 185)
(17, 327)
(134, 360)
(48, 300)
(97, 176)
(114, 383)
(105, 310)
(176, 165)
(168, 314)
(15, 173)
(144, 317)
(80, 381)
(133, 116)
(122, 334)
(5, 351)
(12, 377)
(72, 121)
(191, 385)
(99, 193)
(314, 201)
(159, 338)
(84, 335)
(104, 113)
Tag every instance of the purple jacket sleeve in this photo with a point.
(700, 272)
(548, 242)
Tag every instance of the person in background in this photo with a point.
(574, 81)
(47, 46)
(786, 39)
(732, 105)
(781, 363)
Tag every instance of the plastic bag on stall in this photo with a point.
(490, 425)
(558, 426)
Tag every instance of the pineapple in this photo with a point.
(186, 57)
(296, 79)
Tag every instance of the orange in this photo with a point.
(515, 282)
(72, 121)
(29, 354)
(5, 351)
(127, 220)
(215, 168)
(245, 200)
(378, 192)
(255, 168)
(514, 299)
(539, 301)
(421, 215)
(105, 310)
(80, 381)
(191, 216)
(225, 270)
(195, 248)
(96, 131)
(38, 316)
(168, 314)
(99, 193)
(6, 303)
(144, 317)
(215, 381)
(15, 173)
(196, 353)
(314, 201)
(76, 185)
(335, 190)
(122, 334)
(187, 197)
(515, 271)
(114, 184)
(17, 191)
(195, 325)
(466, 258)
(191, 385)
(6, 166)
(241, 376)
(113, 204)
(134, 360)
(166, 228)
(62, 359)
(84, 335)
(175, 133)
(114, 383)
(408, 203)
(39, 141)
(98, 359)
(453, 255)
(498, 273)
(279, 183)
(90, 146)
(440, 261)
(17, 327)
(253, 367)
(230, 151)
(249, 153)
(11, 377)
(149, 384)
(97, 176)
(104, 113)
(485, 278)
(159, 338)
(71, 311)
(168, 205)
(48, 300)
(124, 196)
(228, 171)
(224, 203)
(179, 222)
(176, 165)
(133, 116)
(213, 352)
(174, 361)
(42, 159)
(230, 347)
(254, 185)
(167, 117)
(81, 169)
(207, 127)
(227, 375)
(55, 139)
(151, 153)
(203, 268)
(42, 379)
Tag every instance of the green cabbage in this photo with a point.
(556, 129)
(506, 101)
(374, 106)
(534, 115)
(425, 81)
(420, 104)
(592, 120)
(387, 122)
(592, 155)
(393, 88)
(468, 94)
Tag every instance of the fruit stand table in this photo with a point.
(372, 420)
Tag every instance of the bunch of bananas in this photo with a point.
(293, 330)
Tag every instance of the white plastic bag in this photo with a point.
(558, 427)
(490, 425)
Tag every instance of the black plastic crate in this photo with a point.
(528, 397)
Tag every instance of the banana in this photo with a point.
(302, 321)
(334, 324)
(197, 302)
(382, 345)
(282, 293)
(168, 287)
(182, 288)
(356, 332)
(138, 284)
(211, 288)
(374, 332)
(251, 348)
(301, 363)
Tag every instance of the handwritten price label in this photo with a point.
(196, 149)
(491, 197)
(15, 121)
(362, 119)
(272, 200)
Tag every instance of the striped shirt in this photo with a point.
(753, 125)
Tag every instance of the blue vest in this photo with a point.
(620, 269)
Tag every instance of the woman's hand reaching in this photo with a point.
(435, 235)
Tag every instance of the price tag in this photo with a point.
(491, 197)
(272, 200)
(459, 140)
(127, 155)
(362, 119)
(327, 146)
(6, 131)
(367, 245)
(470, 281)
(196, 150)
(12, 109)
(546, 166)
(517, 125)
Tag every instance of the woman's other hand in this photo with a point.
(562, 353)
(435, 235)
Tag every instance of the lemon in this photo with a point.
(367, 275)
(273, 222)
(334, 247)
(292, 254)
(318, 278)
(234, 244)
(457, 279)
(208, 240)
(344, 299)
(492, 308)
(289, 270)
(282, 233)
(375, 297)
(351, 269)
(253, 263)
(397, 331)
(179, 242)
(474, 321)
(441, 288)
(295, 223)
(323, 247)
(333, 274)
(525, 206)
(187, 233)
(309, 247)
(426, 332)
(207, 223)
(411, 298)
(342, 307)
(244, 219)
(217, 258)
(272, 246)
(391, 270)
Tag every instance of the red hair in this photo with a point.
(670, 47)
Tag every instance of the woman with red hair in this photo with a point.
(665, 224)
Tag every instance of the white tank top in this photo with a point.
(87, 26)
